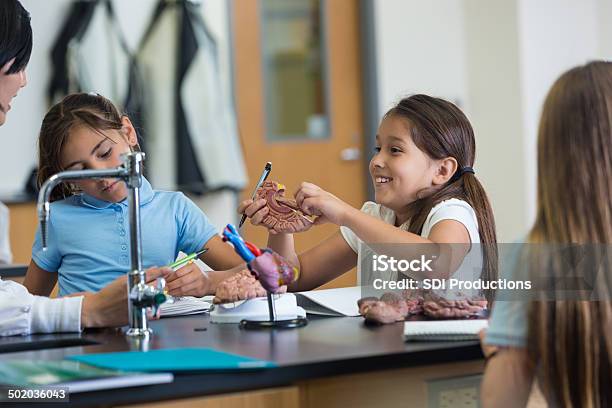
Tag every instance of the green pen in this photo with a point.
(188, 258)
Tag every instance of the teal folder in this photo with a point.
(184, 359)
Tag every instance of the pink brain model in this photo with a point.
(241, 286)
(393, 307)
(441, 308)
(284, 214)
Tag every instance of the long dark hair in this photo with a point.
(15, 35)
(571, 340)
(441, 130)
(82, 109)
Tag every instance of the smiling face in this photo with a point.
(88, 149)
(10, 84)
(400, 171)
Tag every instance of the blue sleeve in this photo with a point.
(195, 230)
(51, 258)
(508, 322)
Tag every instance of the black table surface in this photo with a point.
(327, 346)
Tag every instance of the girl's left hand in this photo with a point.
(313, 200)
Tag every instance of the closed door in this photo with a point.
(299, 100)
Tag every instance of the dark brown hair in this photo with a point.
(81, 109)
(571, 340)
(15, 35)
(439, 129)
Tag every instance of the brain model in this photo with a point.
(284, 214)
(393, 307)
(241, 286)
(441, 308)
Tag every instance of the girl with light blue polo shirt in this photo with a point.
(88, 243)
(561, 335)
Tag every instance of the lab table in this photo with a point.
(331, 362)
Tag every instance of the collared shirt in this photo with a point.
(23, 313)
(88, 239)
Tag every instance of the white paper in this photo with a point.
(331, 302)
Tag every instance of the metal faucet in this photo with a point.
(140, 295)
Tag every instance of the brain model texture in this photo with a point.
(284, 214)
(241, 286)
(394, 307)
(441, 308)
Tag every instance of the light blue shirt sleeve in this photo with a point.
(195, 229)
(509, 318)
(51, 258)
(508, 324)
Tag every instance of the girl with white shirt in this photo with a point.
(426, 192)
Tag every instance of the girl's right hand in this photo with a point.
(254, 210)
(257, 211)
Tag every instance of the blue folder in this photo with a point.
(184, 359)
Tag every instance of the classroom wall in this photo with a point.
(420, 48)
(20, 131)
(496, 110)
(497, 58)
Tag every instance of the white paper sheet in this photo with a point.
(331, 302)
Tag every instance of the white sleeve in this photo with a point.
(5, 248)
(23, 313)
(457, 210)
(349, 236)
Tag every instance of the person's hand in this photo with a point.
(255, 211)
(189, 280)
(109, 306)
(313, 200)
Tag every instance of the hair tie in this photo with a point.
(460, 172)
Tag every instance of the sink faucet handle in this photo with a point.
(160, 295)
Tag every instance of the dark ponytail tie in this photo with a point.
(460, 172)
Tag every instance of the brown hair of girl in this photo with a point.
(80, 109)
(438, 128)
(571, 340)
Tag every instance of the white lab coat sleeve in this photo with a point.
(5, 247)
(22, 313)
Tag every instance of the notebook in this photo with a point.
(183, 306)
(183, 359)
(74, 375)
(443, 330)
(331, 302)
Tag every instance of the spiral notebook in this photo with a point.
(443, 330)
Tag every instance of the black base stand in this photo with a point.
(273, 323)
